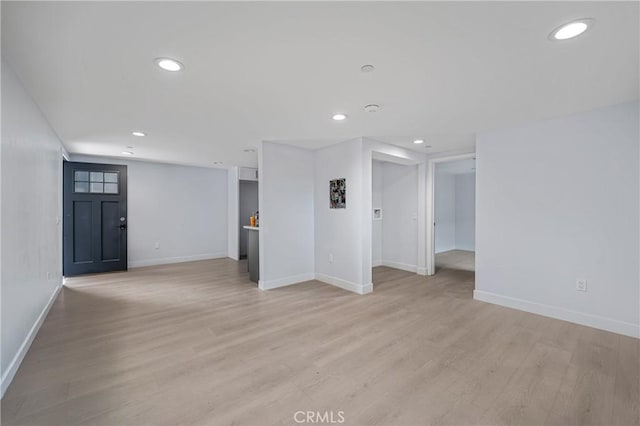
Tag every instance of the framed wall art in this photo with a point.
(338, 193)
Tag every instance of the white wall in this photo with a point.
(338, 232)
(557, 201)
(301, 237)
(465, 211)
(376, 196)
(445, 211)
(31, 238)
(183, 209)
(286, 198)
(400, 223)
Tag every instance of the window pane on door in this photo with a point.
(97, 187)
(96, 177)
(111, 177)
(81, 176)
(81, 187)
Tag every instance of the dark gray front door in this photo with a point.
(95, 218)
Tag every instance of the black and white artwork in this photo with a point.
(338, 193)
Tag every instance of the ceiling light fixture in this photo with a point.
(418, 141)
(339, 117)
(372, 108)
(169, 64)
(127, 152)
(250, 150)
(217, 162)
(367, 68)
(138, 133)
(571, 29)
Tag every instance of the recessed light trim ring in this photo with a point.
(572, 29)
(169, 64)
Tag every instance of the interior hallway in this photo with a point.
(196, 343)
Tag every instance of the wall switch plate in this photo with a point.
(156, 246)
(330, 257)
(581, 285)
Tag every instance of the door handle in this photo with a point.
(123, 226)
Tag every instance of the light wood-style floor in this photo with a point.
(196, 343)
(460, 260)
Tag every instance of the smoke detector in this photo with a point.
(372, 108)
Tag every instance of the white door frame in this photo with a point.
(431, 212)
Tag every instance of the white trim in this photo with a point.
(180, 259)
(402, 266)
(421, 271)
(375, 263)
(431, 178)
(344, 284)
(595, 321)
(282, 282)
(11, 371)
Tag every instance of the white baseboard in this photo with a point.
(282, 282)
(8, 375)
(595, 321)
(180, 259)
(398, 265)
(421, 271)
(376, 263)
(344, 284)
(296, 279)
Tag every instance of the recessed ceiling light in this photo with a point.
(250, 150)
(217, 162)
(367, 68)
(372, 108)
(127, 152)
(418, 141)
(138, 133)
(169, 64)
(427, 146)
(571, 29)
(339, 117)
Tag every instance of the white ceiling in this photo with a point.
(457, 167)
(278, 71)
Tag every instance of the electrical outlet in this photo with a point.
(156, 246)
(330, 257)
(581, 285)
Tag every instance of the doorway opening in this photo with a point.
(454, 199)
(395, 225)
(247, 207)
